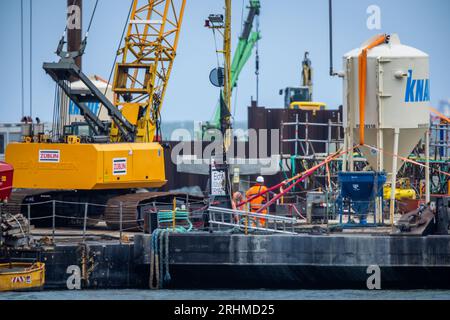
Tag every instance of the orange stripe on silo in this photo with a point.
(362, 75)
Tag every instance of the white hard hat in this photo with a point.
(260, 179)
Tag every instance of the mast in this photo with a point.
(142, 75)
(74, 35)
(227, 89)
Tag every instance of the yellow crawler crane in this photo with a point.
(132, 157)
(118, 156)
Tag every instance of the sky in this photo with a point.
(288, 27)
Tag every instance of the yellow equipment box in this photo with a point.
(87, 166)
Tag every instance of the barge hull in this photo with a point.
(303, 261)
(107, 265)
(217, 260)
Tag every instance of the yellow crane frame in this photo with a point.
(141, 78)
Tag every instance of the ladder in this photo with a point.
(228, 219)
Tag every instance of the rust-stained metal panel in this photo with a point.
(271, 119)
(74, 36)
(259, 118)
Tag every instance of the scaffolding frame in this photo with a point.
(305, 156)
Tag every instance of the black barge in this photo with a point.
(223, 260)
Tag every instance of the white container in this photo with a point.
(397, 97)
(100, 84)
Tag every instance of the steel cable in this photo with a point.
(92, 18)
(22, 59)
(31, 58)
(118, 48)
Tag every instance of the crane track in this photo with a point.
(69, 207)
(130, 211)
(15, 203)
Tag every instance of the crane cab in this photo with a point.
(295, 94)
(300, 99)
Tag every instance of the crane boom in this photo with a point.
(141, 78)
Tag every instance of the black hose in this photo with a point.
(330, 25)
(22, 59)
(31, 59)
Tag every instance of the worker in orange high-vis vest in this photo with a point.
(259, 201)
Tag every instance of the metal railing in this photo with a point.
(227, 219)
(85, 218)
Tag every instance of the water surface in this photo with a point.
(230, 295)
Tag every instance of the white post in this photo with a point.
(380, 154)
(394, 175)
(85, 221)
(427, 169)
(351, 142)
(381, 147)
(120, 221)
(53, 220)
(345, 156)
(29, 220)
(380, 164)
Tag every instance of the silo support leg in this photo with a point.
(344, 156)
(394, 176)
(427, 169)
